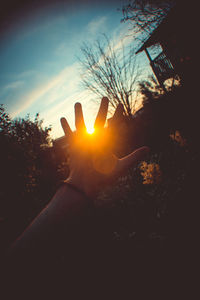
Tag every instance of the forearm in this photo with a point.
(62, 214)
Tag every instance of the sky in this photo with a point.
(39, 51)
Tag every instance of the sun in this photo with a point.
(90, 130)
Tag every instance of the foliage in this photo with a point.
(4, 120)
(151, 173)
(30, 171)
(150, 90)
(145, 15)
(26, 131)
(155, 201)
(145, 207)
(110, 70)
(146, 202)
(176, 136)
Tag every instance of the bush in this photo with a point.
(30, 172)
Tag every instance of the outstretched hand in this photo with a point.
(92, 163)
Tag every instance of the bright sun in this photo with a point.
(90, 130)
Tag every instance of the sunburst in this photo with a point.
(90, 130)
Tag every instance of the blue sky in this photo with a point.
(39, 65)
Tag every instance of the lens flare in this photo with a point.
(90, 130)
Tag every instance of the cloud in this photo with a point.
(26, 74)
(95, 25)
(10, 88)
(55, 97)
(14, 85)
(120, 35)
(65, 108)
(88, 33)
(33, 96)
(62, 49)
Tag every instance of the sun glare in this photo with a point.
(90, 130)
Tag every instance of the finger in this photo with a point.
(132, 159)
(66, 128)
(79, 120)
(118, 115)
(102, 113)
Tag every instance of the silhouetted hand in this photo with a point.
(92, 163)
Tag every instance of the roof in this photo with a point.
(163, 30)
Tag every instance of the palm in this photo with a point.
(91, 160)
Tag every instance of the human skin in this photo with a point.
(92, 163)
(92, 166)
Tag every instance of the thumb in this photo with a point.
(132, 159)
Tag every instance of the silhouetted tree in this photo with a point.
(111, 70)
(150, 90)
(145, 15)
(5, 121)
(23, 192)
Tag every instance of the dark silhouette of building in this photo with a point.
(177, 36)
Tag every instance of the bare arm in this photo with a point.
(65, 208)
(92, 165)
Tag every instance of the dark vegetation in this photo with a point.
(142, 209)
(160, 203)
(30, 172)
(150, 213)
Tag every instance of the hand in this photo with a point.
(92, 163)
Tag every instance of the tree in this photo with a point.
(5, 121)
(30, 134)
(22, 144)
(110, 70)
(150, 90)
(145, 15)
(29, 172)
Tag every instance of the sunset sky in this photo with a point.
(39, 50)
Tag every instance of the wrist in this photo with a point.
(80, 188)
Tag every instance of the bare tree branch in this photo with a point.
(111, 70)
(145, 15)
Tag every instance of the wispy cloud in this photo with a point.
(96, 25)
(88, 33)
(14, 85)
(26, 74)
(65, 94)
(65, 108)
(33, 96)
(10, 88)
(55, 97)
